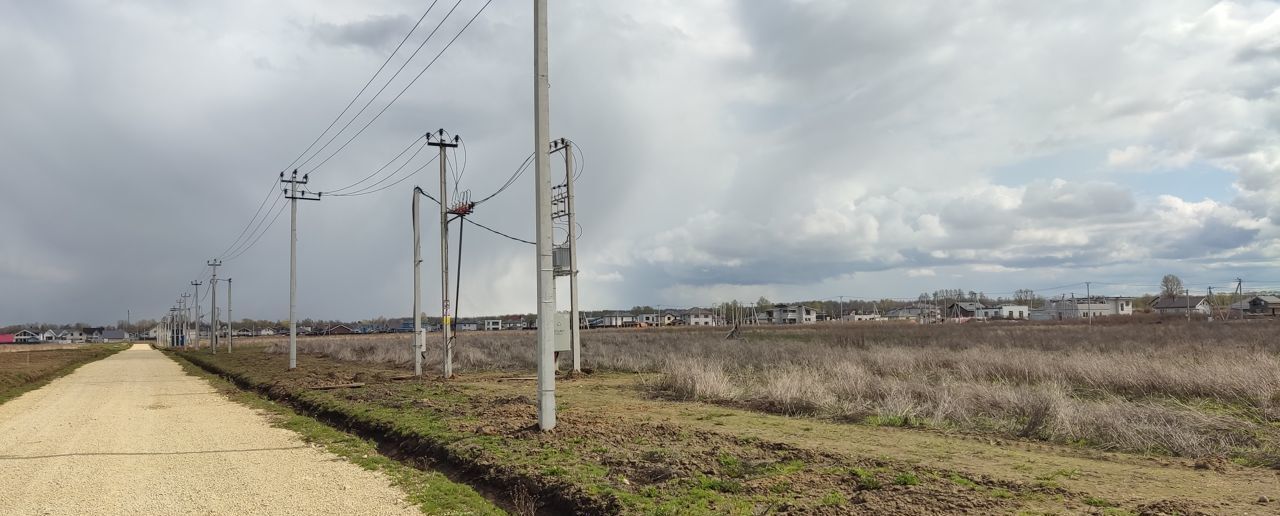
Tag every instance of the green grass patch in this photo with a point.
(906, 479)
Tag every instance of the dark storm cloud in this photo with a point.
(730, 148)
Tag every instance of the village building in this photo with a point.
(1180, 305)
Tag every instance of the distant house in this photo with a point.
(787, 314)
(75, 335)
(699, 317)
(965, 309)
(244, 332)
(618, 319)
(6, 338)
(514, 323)
(919, 313)
(1177, 305)
(649, 319)
(26, 337)
(114, 335)
(1264, 306)
(857, 317)
(492, 324)
(266, 332)
(340, 329)
(1085, 307)
(671, 318)
(1007, 312)
(49, 336)
(466, 326)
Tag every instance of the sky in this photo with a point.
(798, 150)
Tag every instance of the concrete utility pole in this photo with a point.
(196, 319)
(446, 326)
(213, 306)
(1187, 293)
(569, 215)
(294, 196)
(1088, 296)
(576, 329)
(419, 339)
(230, 330)
(542, 198)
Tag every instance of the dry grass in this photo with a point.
(1199, 389)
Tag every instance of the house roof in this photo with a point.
(1271, 300)
(1177, 302)
(970, 305)
(114, 334)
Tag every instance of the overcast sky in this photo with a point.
(791, 149)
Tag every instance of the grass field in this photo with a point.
(868, 418)
(29, 368)
(1190, 390)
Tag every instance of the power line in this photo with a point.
(264, 232)
(367, 190)
(365, 88)
(258, 229)
(380, 169)
(499, 233)
(402, 91)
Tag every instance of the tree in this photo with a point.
(1171, 286)
(763, 302)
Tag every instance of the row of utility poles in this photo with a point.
(181, 328)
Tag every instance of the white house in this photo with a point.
(856, 317)
(787, 314)
(919, 313)
(466, 326)
(651, 319)
(618, 319)
(266, 332)
(76, 335)
(1080, 308)
(26, 337)
(1007, 312)
(49, 336)
(492, 324)
(1181, 305)
(699, 317)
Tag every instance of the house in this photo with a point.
(918, 313)
(1171, 305)
(340, 329)
(26, 337)
(245, 332)
(492, 324)
(266, 332)
(514, 322)
(1084, 307)
(49, 336)
(787, 314)
(465, 325)
(648, 319)
(617, 320)
(114, 335)
(1264, 306)
(699, 317)
(965, 309)
(671, 318)
(857, 317)
(6, 338)
(1008, 312)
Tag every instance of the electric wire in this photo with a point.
(379, 170)
(388, 177)
(260, 234)
(406, 86)
(252, 235)
(366, 87)
(236, 242)
(368, 191)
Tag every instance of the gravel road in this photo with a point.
(133, 434)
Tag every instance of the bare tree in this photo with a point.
(1170, 286)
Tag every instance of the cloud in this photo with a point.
(793, 149)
